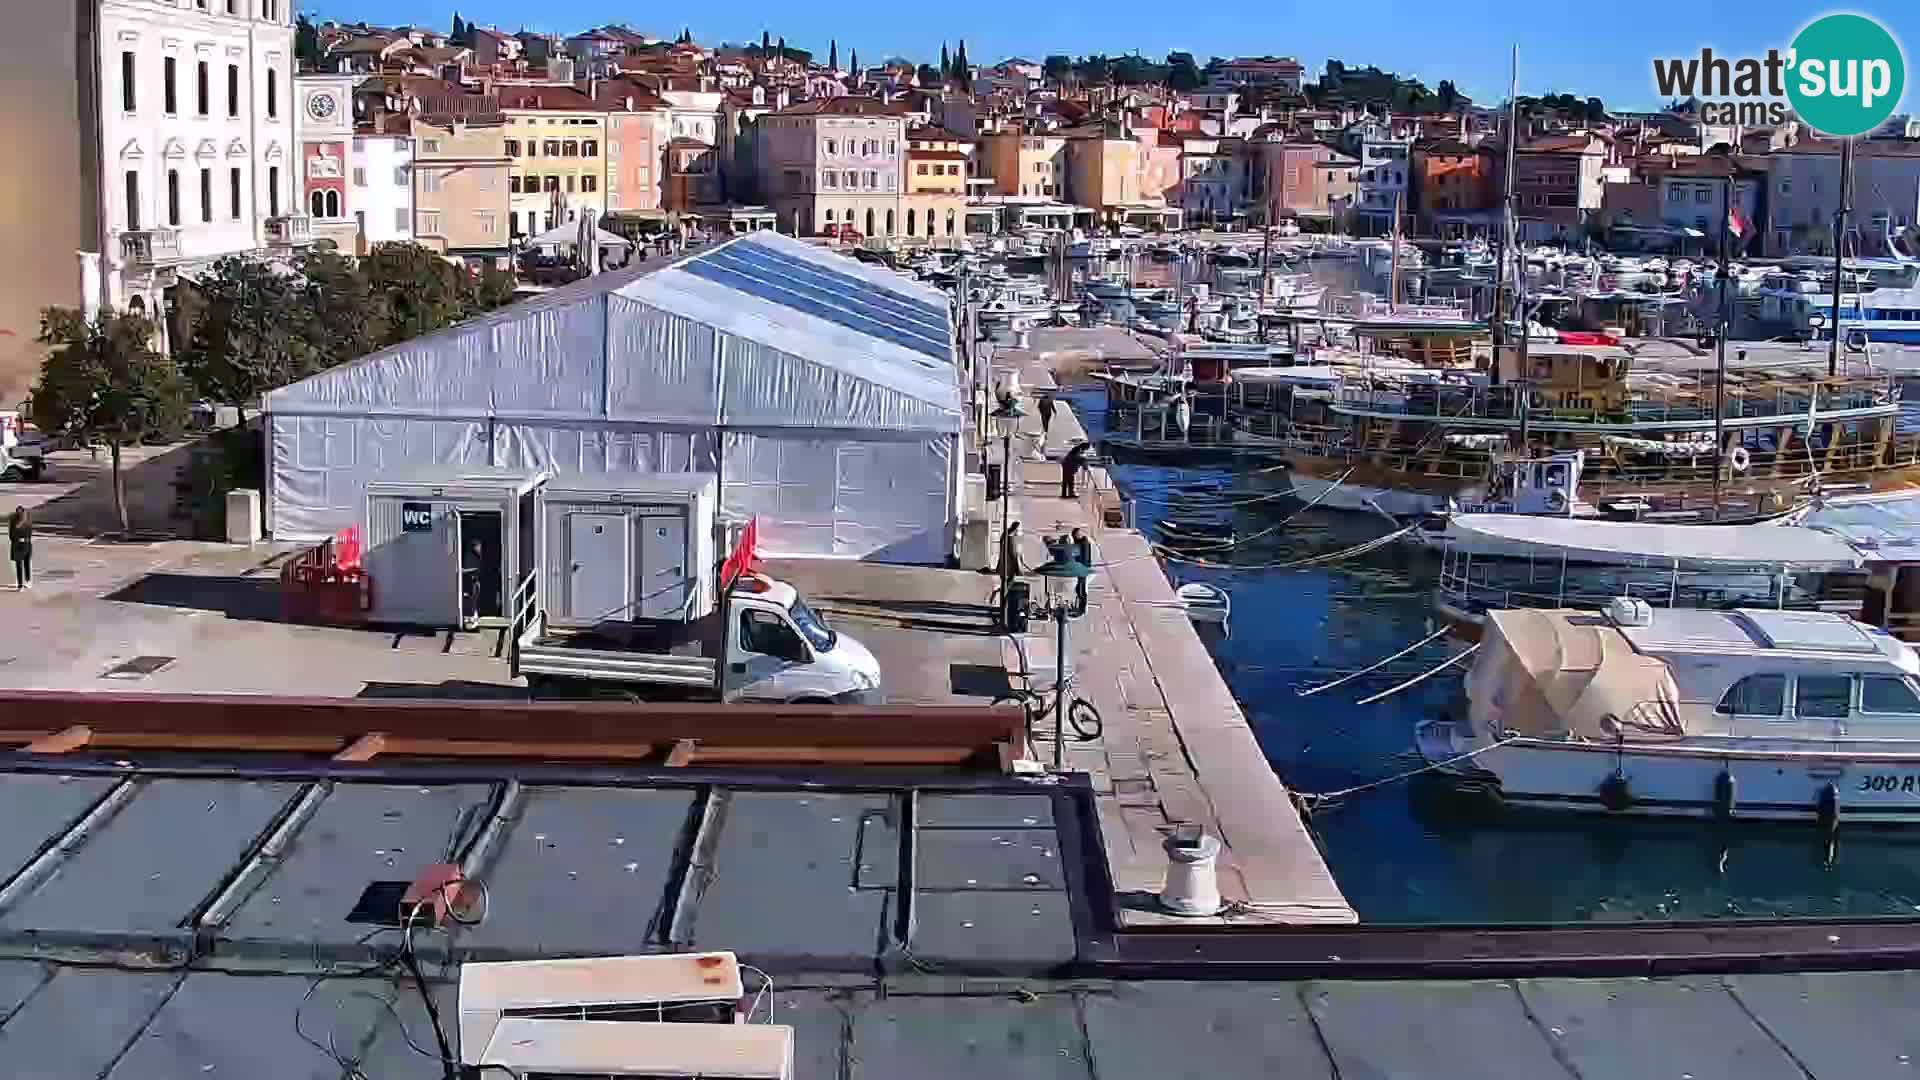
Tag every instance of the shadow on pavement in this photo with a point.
(456, 689)
(258, 599)
(978, 680)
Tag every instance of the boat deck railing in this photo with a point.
(1644, 405)
(1474, 585)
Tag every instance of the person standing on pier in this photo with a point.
(1071, 465)
(20, 546)
(1046, 415)
(1083, 552)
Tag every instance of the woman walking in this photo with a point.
(20, 546)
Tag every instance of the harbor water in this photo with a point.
(1399, 855)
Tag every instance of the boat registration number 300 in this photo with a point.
(1889, 782)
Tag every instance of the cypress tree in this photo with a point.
(833, 55)
(946, 62)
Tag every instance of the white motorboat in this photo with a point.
(1783, 715)
(1205, 603)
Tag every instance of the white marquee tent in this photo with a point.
(831, 385)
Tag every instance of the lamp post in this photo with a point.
(1062, 567)
(1006, 420)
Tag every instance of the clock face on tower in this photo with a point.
(320, 106)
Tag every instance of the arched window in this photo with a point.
(333, 204)
(869, 220)
(929, 224)
(909, 221)
(318, 204)
(889, 223)
(949, 222)
(829, 217)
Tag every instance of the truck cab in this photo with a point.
(779, 650)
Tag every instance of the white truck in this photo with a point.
(621, 600)
(777, 650)
(23, 449)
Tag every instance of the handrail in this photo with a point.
(526, 600)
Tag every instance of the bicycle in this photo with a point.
(1083, 720)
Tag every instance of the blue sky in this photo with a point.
(1602, 49)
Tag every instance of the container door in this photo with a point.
(663, 567)
(597, 567)
(414, 564)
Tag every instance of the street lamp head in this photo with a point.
(1068, 568)
(1006, 418)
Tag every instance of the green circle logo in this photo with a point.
(1847, 75)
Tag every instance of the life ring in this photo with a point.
(1556, 500)
(1739, 459)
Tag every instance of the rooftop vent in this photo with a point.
(1630, 611)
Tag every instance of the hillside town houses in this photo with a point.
(213, 127)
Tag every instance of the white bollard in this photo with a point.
(1193, 887)
(243, 516)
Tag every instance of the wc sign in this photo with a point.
(416, 517)
(1843, 76)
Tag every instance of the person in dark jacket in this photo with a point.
(1046, 416)
(1071, 465)
(1083, 553)
(20, 546)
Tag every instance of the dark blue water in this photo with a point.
(1397, 858)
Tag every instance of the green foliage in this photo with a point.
(494, 289)
(833, 54)
(339, 313)
(961, 68)
(306, 44)
(853, 61)
(459, 34)
(1057, 68)
(422, 291)
(251, 336)
(103, 381)
(1182, 73)
(946, 63)
(927, 75)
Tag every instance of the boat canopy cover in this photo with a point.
(1572, 675)
(1883, 527)
(1623, 542)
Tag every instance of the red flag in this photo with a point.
(745, 551)
(1736, 222)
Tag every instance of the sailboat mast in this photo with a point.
(1839, 256)
(1502, 243)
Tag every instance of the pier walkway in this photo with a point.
(1177, 747)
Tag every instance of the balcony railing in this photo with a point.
(146, 247)
(290, 230)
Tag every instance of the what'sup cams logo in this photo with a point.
(1842, 76)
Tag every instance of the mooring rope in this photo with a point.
(1423, 676)
(1313, 800)
(1436, 635)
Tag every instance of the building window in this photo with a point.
(316, 205)
(173, 197)
(920, 170)
(430, 222)
(168, 101)
(533, 148)
(399, 176)
(570, 148)
(873, 179)
(589, 148)
(206, 194)
(429, 146)
(359, 177)
(487, 221)
(233, 90)
(133, 200)
(910, 221)
(129, 96)
(1702, 194)
(552, 183)
(430, 180)
(833, 147)
(589, 183)
(513, 147)
(402, 221)
(890, 146)
(513, 185)
(233, 193)
(833, 179)
(203, 90)
(273, 94)
(553, 148)
(273, 191)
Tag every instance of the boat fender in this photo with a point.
(1739, 459)
(1826, 810)
(1615, 793)
(1724, 795)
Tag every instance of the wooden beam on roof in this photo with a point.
(61, 742)
(364, 748)
(682, 753)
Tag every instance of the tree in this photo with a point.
(766, 43)
(686, 35)
(459, 30)
(783, 46)
(833, 54)
(853, 62)
(1057, 69)
(946, 62)
(494, 289)
(961, 68)
(927, 76)
(306, 44)
(104, 381)
(252, 336)
(422, 291)
(1448, 96)
(342, 317)
(1182, 73)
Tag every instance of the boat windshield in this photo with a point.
(822, 636)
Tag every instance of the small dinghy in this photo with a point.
(1204, 603)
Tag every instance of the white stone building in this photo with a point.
(382, 184)
(170, 145)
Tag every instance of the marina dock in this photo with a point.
(1177, 747)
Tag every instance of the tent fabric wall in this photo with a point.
(845, 444)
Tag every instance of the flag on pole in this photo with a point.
(1736, 223)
